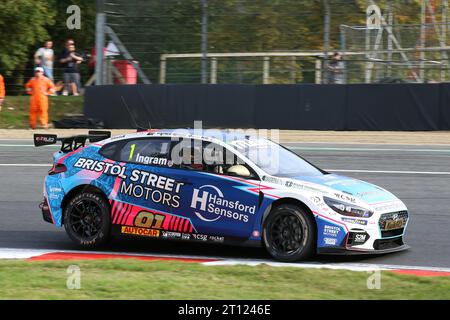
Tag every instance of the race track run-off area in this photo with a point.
(418, 174)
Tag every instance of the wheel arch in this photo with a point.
(292, 201)
(77, 190)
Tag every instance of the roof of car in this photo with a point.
(215, 135)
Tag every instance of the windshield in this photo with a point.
(275, 159)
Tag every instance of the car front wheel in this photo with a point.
(87, 220)
(289, 233)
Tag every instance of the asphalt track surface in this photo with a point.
(418, 175)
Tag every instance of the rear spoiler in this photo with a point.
(72, 143)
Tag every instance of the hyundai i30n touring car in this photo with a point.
(219, 187)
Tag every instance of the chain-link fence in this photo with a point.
(282, 41)
(396, 53)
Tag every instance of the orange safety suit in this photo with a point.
(39, 87)
(2, 87)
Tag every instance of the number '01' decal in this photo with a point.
(146, 219)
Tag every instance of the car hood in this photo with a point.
(367, 192)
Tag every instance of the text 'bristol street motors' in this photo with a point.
(143, 184)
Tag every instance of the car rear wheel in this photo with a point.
(87, 220)
(289, 233)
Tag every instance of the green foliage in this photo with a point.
(23, 24)
(16, 110)
(150, 28)
(134, 279)
(85, 37)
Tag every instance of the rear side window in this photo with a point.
(111, 150)
(146, 151)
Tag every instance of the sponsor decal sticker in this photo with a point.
(271, 179)
(153, 160)
(331, 231)
(330, 241)
(149, 220)
(150, 186)
(345, 197)
(171, 235)
(210, 205)
(355, 221)
(142, 184)
(140, 231)
(200, 237)
(101, 166)
(360, 238)
(302, 186)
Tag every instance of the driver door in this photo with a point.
(216, 199)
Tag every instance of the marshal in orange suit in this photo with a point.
(40, 88)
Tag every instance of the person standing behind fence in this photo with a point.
(336, 69)
(44, 58)
(70, 61)
(39, 87)
(2, 91)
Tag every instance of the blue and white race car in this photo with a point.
(219, 187)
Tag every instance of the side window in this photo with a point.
(146, 151)
(210, 157)
(110, 150)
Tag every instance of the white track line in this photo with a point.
(25, 165)
(314, 265)
(11, 253)
(6, 145)
(370, 149)
(390, 171)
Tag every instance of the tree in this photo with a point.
(59, 32)
(23, 24)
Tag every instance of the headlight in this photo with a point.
(347, 209)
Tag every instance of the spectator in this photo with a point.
(2, 91)
(39, 87)
(44, 58)
(336, 69)
(70, 61)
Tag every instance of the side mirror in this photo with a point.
(239, 170)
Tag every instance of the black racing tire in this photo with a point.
(289, 233)
(87, 220)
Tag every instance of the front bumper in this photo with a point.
(379, 235)
(384, 246)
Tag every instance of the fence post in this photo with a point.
(204, 39)
(266, 70)
(326, 37)
(99, 41)
(162, 69)
(213, 70)
(318, 71)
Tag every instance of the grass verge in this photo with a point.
(134, 279)
(15, 110)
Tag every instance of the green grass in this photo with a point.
(17, 116)
(134, 279)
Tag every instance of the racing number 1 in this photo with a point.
(133, 146)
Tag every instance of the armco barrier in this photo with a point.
(411, 107)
